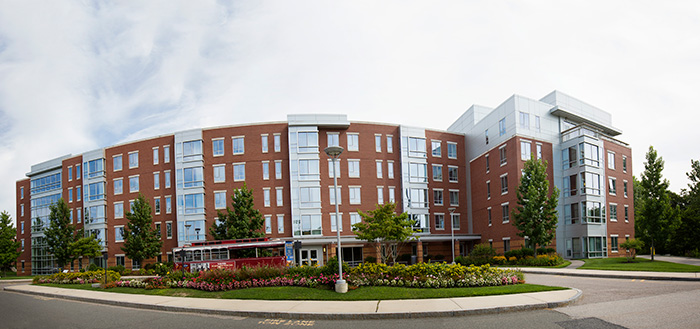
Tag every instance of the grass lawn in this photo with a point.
(640, 264)
(12, 276)
(562, 265)
(302, 293)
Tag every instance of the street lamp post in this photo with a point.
(340, 286)
(452, 232)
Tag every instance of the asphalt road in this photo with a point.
(606, 303)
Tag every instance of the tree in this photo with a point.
(141, 241)
(241, 221)
(384, 227)
(536, 213)
(60, 234)
(86, 246)
(9, 246)
(686, 238)
(657, 218)
(632, 245)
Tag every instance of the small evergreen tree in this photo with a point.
(384, 227)
(60, 234)
(141, 241)
(9, 246)
(241, 221)
(85, 246)
(536, 213)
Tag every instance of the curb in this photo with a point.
(615, 275)
(313, 316)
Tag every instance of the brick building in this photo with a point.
(459, 182)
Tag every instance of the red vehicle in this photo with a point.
(231, 254)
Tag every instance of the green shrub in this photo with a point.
(119, 269)
(162, 269)
(304, 271)
(258, 272)
(75, 277)
(370, 259)
(177, 275)
(482, 250)
(404, 258)
(513, 253)
(546, 251)
(331, 266)
(94, 267)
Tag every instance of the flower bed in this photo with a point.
(77, 277)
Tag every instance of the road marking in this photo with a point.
(642, 280)
(283, 322)
(634, 280)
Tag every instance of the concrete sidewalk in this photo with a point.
(677, 276)
(674, 259)
(389, 309)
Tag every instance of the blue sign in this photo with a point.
(289, 252)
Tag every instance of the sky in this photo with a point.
(80, 75)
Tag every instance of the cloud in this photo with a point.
(79, 75)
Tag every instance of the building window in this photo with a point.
(310, 197)
(353, 142)
(452, 174)
(506, 245)
(190, 177)
(378, 143)
(355, 197)
(611, 160)
(525, 150)
(613, 212)
(78, 193)
(21, 192)
(590, 183)
(627, 214)
(380, 195)
(135, 265)
(278, 169)
(309, 170)
(488, 189)
(488, 215)
(119, 210)
(119, 234)
(454, 197)
(238, 145)
(120, 260)
(77, 171)
(266, 170)
(539, 151)
(166, 154)
(589, 154)
(613, 243)
(437, 173)
(612, 186)
(191, 204)
(436, 148)
(155, 155)
(390, 143)
(307, 141)
(158, 230)
(70, 194)
(416, 147)
(418, 172)
(524, 120)
(502, 153)
(572, 212)
(70, 173)
(22, 226)
(624, 163)
(266, 196)
(439, 221)
(488, 165)
(264, 143)
(280, 224)
(379, 169)
(217, 146)
(570, 186)
(279, 196)
(169, 230)
(310, 225)
(134, 159)
(538, 124)
(156, 205)
(594, 212)
(456, 225)
(624, 188)
(504, 184)
(168, 205)
(238, 172)
(268, 224)
(219, 200)
(505, 213)
(333, 139)
(354, 168)
(156, 180)
(95, 191)
(452, 150)
(392, 194)
(390, 169)
(486, 135)
(438, 197)
(334, 227)
(277, 141)
(219, 173)
(167, 178)
(502, 127)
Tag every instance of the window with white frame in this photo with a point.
(488, 215)
(169, 230)
(168, 204)
(266, 196)
(353, 142)
(614, 247)
(238, 172)
(238, 145)
(264, 143)
(192, 150)
(307, 141)
(624, 163)
(611, 160)
(380, 174)
(119, 233)
(538, 146)
(486, 136)
(133, 184)
(309, 169)
(354, 168)
(219, 173)
(392, 194)
(166, 154)
(334, 227)
(219, 199)
(488, 166)
(438, 197)
(330, 168)
(119, 209)
(613, 212)
(390, 143)
(624, 189)
(452, 150)
(525, 150)
(268, 224)
(190, 177)
(310, 225)
(355, 218)
(156, 180)
(192, 203)
(156, 205)
(279, 196)
(502, 127)
(355, 197)
(310, 197)
(217, 146)
(505, 213)
(627, 214)
(155, 155)
(437, 173)
(590, 183)
(612, 185)
(280, 224)
(439, 221)
(418, 172)
(504, 184)
(166, 177)
(524, 120)
(278, 169)
(333, 139)
(503, 155)
(488, 189)
(277, 141)
(380, 195)
(452, 174)
(456, 225)
(538, 124)
(418, 198)
(266, 170)
(331, 193)
(436, 147)
(454, 197)
(70, 173)
(70, 194)
(134, 159)
(378, 142)
(416, 147)
(390, 169)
